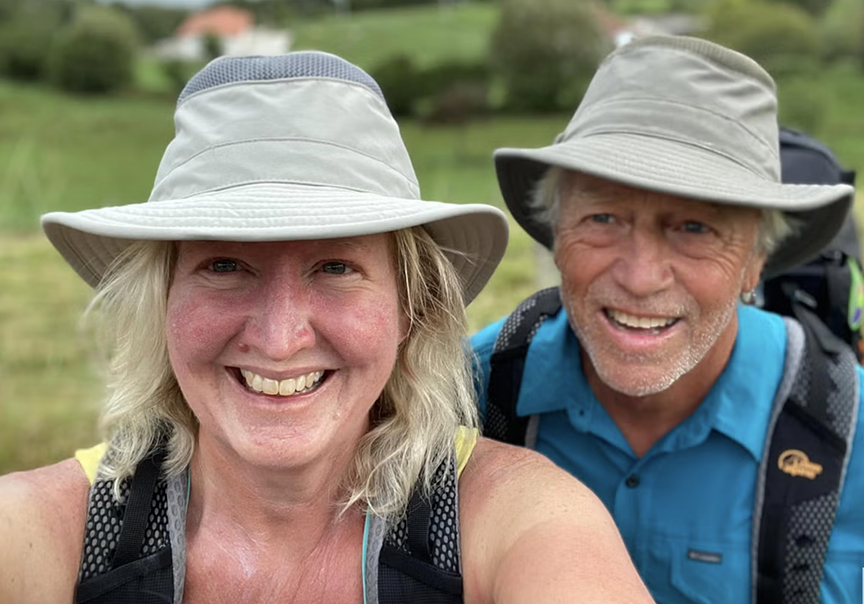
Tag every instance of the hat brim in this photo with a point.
(474, 237)
(679, 169)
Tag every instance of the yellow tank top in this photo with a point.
(465, 440)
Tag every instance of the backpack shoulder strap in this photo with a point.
(806, 452)
(132, 546)
(420, 559)
(508, 362)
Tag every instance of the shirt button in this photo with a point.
(632, 481)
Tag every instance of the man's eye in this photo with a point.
(696, 228)
(335, 268)
(223, 265)
(602, 218)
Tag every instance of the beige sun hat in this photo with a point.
(298, 146)
(686, 117)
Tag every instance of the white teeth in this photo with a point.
(639, 322)
(270, 386)
(288, 387)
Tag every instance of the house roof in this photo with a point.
(219, 20)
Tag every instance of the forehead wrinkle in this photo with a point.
(588, 189)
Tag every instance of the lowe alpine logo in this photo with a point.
(796, 463)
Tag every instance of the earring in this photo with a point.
(748, 297)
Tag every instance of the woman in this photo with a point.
(290, 412)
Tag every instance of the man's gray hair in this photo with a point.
(774, 225)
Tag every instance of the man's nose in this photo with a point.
(643, 267)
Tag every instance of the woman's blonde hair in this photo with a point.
(429, 394)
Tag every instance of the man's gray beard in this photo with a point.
(677, 367)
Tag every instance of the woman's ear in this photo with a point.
(404, 326)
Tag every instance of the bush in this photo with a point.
(449, 92)
(24, 48)
(843, 31)
(178, 73)
(401, 84)
(545, 52)
(458, 103)
(782, 38)
(94, 55)
(455, 91)
(801, 104)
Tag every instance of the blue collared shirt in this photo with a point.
(685, 508)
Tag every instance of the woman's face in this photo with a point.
(282, 348)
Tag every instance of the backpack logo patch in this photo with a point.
(796, 463)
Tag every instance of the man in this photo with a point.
(721, 437)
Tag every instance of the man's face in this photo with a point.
(651, 281)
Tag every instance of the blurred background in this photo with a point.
(87, 92)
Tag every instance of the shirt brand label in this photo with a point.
(797, 463)
(710, 557)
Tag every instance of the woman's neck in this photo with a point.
(266, 504)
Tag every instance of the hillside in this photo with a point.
(427, 34)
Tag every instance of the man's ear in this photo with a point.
(753, 271)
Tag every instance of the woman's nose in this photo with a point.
(281, 325)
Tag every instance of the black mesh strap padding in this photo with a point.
(148, 580)
(133, 536)
(420, 558)
(508, 362)
(417, 524)
(804, 467)
(138, 510)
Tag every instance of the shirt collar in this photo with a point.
(744, 394)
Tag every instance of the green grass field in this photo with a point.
(65, 153)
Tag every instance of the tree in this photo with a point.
(154, 22)
(815, 8)
(781, 37)
(96, 53)
(546, 51)
(843, 31)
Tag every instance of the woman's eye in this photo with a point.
(224, 265)
(335, 268)
(693, 227)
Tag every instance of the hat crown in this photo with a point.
(689, 91)
(304, 64)
(284, 119)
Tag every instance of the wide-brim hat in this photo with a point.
(293, 147)
(688, 118)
